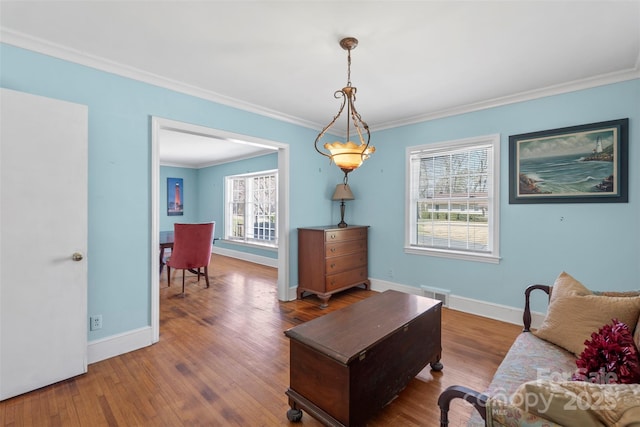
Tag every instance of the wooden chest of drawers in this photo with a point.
(331, 259)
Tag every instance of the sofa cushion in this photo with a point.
(529, 358)
(574, 313)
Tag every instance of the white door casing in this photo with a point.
(43, 222)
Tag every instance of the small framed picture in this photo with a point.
(578, 164)
(175, 196)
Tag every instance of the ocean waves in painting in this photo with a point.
(566, 174)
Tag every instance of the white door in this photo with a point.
(43, 222)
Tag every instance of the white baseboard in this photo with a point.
(467, 305)
(257, 259)
(292, 294)
(116, 345)
(472, 306)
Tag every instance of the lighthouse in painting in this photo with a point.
(174, 196)
(176, 201)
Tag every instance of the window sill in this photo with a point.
(467, 256)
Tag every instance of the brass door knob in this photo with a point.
(77, 256)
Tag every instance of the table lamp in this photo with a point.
(342, 193)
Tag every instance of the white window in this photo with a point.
(453, 199)
(251, 212)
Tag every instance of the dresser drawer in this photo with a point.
(346, 234)
(345, 247)
(346, 262)
(346, 278)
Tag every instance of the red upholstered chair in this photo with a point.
(191, 249)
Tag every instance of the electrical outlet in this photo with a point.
(95, 322)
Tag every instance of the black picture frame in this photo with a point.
(175, 197)
(577, 164)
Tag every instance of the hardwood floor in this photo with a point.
(223, 359)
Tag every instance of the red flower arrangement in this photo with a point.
(610, 357)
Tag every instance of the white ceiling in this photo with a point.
(416, 60)
(184, 149)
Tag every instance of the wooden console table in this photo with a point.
(348, 364)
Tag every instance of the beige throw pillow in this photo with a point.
(575, 313)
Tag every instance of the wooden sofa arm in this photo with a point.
(526, 316)
(477, 399)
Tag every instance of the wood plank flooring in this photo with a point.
(223, 360)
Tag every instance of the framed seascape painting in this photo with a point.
(175, 196)
(578, 164)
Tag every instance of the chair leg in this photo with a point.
(206, 274)
(168, 275)
(182, 282)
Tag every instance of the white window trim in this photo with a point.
(227, 217)
(494, 196)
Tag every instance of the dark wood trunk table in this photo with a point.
(348, 364)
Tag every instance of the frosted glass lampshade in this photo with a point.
(348, 155)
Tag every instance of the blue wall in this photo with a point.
(597, 243)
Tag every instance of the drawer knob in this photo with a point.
(333, 265)
(333, 249)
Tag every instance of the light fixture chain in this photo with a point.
(349, 68)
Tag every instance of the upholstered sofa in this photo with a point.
(537, 382)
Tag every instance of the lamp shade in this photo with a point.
(349, 156)
(343, 192)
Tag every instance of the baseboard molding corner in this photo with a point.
(292, 294)
(116, 345)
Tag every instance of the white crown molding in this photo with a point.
(45, 47)
(587, 83)
(51, 49)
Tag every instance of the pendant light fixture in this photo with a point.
(348, 155)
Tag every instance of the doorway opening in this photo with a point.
(158, 125)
